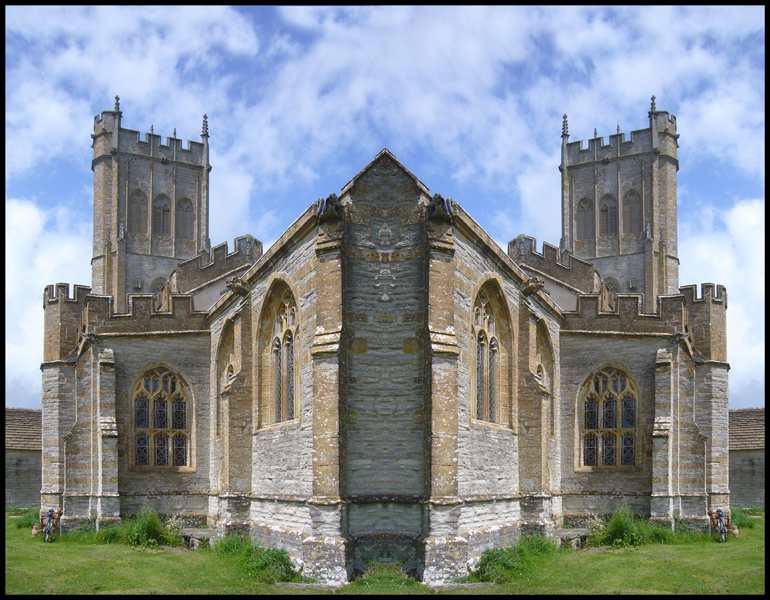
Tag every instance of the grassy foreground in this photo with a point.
(32, 567)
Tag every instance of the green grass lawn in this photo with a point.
(32, 567)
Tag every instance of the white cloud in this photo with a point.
(42, 248)
(727, 247)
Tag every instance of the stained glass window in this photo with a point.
(161, 450)
(628, 414)
(601, 406)
(480, 378)
(153, 424)
(178, 413)
(627, 449)
(591, 413)
(142, 449)
(590, 447)
(141, 411)
(180, 451)
(492, 364)
(608, 451)
(609, 413)
(290, 378)
(278, 383)
(160, 413)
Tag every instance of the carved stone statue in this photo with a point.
(531, 285)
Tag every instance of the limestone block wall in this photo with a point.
(601, 490)
(747, 478)
(385, 461)
(172, 490)
(22, 478)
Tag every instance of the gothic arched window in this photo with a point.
(486, 351)
(632, 213)
(137, 213)
(162, 409)
(161, 217)
(609, 404)
(608, 216)
(585, 219)
(185, 220)
(278, 348)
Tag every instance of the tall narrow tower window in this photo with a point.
(608, 217)
(585, 219)
(488, 343)
(632, 213)
(185, 220)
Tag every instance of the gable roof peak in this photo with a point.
(385, 153)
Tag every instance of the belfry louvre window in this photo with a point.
(608, 217)
(486, 352)
(608, 420)
(161, 420)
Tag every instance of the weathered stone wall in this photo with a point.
(384, 463)
(747, 478)
(601, 490)
(22, 478)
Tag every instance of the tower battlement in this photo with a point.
(670, 317)
(62, 316)
(99, 316)
(205, 268)
(575, 272)
(640, 140)
(708, 320)
(60, 293)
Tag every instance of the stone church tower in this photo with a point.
(618, 207)
(151, 207)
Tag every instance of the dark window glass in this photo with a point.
(591, 413)
(161, 451)
(590, 447)
(142, 449)
(627, 449)
(160, 410)
(628, 416)
(179, 414)
(277, 355)
(608, 451)
(492, 361)
(180, 451)
(290, 379)
(609, 413)
(142, 412)
(480, 378)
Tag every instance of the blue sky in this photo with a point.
(469, 99)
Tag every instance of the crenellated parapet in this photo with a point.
(128, 141)
(62, 319)
(671, 316)
(204, 269)
(564, 267)
(708, 320)
(99, 317)
(661, 135)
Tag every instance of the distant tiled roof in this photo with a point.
(23, 428)
(747, 429)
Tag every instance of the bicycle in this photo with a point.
(720, 527)
(50, 526)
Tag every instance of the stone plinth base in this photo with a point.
(446, 559)
(323, 559)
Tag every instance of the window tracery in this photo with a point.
(161, 408)
(632, 213)
(608, 423)
(487, 348)
(282, 358)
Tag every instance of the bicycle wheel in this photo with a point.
(47, 535)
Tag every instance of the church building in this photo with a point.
(385, 382)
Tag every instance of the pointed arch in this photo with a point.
(608, 418)
(185, 220)
(608, 216)
(585, 219)
(492, 337)
(277, 337)
(137, 212)
(632, 212)
(161, 406)
(161, 216)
